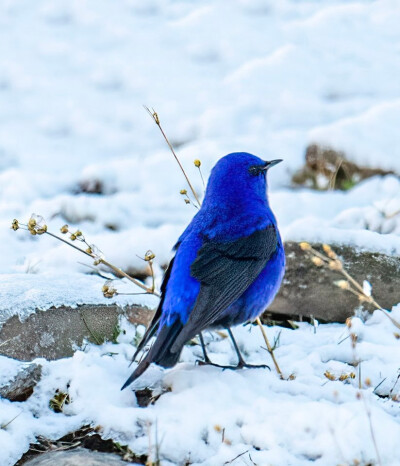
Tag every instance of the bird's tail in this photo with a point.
(160, 353)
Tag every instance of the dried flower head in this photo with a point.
(343, 284)
(89, 250)
(183, 192)
(329, 252)
(42, 230)
(317, 261)
(15, 224)
(305, 246)
(97, 254)
(335, 265)
(329, 375)
(187, 201)
(108, 290)
(64, 229)
(197, 163)
(149, 256)
(354, 338)
(59, 400)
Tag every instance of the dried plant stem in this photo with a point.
(153, 281)
(360, 393)
(388, 216)
(359, 290)
(69, 244)
(116, 269)
(371, 429)
(124, 274)
(156, 119)
(3, 426)
(269, 348)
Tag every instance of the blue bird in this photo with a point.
(228, 266)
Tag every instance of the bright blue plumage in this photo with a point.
(229, 261)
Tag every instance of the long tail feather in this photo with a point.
(160, 353)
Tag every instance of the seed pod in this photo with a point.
(335, 265)
(64, 229)
(15, 224)
(305, 246)
(343, 284)
(183, 192)
(197, 163)
(317, 261)
(149, 256)
(42, 230)
(329, 375)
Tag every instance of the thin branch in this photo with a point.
(269, 348)
(156, 119)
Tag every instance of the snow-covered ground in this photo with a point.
(211, 416)
(260, 76)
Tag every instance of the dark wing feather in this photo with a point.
(225, 271)
(152, 328)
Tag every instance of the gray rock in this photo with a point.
(307, 291)
(77, 457)
(310, 291)
(21, 386)
(56, 333)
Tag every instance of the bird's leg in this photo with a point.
(207, 361)
(241, 362)
(203, 347)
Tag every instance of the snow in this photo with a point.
(23, 294)
(310, 419)
(265, 77)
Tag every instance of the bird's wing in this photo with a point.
(225, 271)
(152, 328)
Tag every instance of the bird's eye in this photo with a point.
(255, 170)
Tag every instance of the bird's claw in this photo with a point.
(243, 365)
(240, 365)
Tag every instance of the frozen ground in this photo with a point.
(262, 76)
(211, 416)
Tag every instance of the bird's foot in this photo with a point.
(240, 365)
(243, 365)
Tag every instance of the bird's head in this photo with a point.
(238, 178)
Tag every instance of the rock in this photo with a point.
(326, 168)
(56, 333)
(308, 290)
(20, 388)
(77, 457)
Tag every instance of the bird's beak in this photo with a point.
(271, 163)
